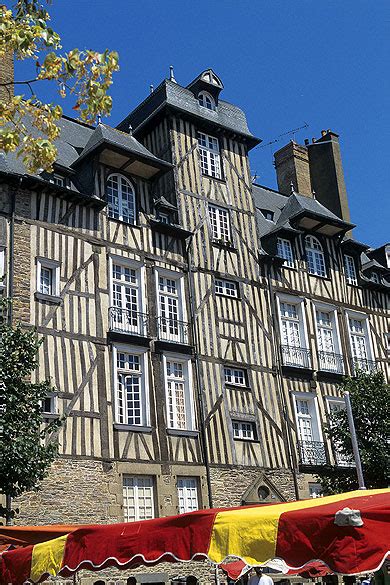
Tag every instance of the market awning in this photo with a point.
(347, 532)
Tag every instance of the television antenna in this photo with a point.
(280, 136)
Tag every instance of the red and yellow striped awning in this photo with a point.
(349, 533)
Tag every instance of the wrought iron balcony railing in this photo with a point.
(297, 357)
(173, 330)
(363, 364)
(128, 321)
(330, 362)
(312, 453)
(344, 460)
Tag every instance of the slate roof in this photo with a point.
(104, 134)
(171, 94)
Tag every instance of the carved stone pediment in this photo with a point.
(262, 491)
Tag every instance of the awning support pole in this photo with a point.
(355, 445)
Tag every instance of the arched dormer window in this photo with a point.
(206, 100)
(121, 198)
(315, 256)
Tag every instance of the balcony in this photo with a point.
(330, 362)
(344, 460)
(173, 330)
(296, 357)
(128, 321)
(362, 364)
(312, 453)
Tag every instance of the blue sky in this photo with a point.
(324, 63)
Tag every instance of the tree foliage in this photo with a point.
(370, 401)
(25, 453)
(27, 124)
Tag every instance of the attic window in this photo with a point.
(206, 101)
(375, 277)
(268, 214)
(57, 180)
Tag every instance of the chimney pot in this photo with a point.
(323, 132)
(306, 141)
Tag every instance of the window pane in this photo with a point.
(284, 250)
(138, 502)
(121, 199)
(188, 494)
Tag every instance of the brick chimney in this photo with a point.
(327, 175)
(292, 168)
(317, 168)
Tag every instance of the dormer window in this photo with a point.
(163, 217)
(375, 277)
(121, 199)
(58, 180)
(315, 257)
(206, 101)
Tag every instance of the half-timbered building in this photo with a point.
(196, 326)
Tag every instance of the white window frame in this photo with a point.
(57, 179)
(206, 100)
(285, 251)
(141, 297)
(268, 214)
(299, 302)
(188, 493)
(225, 288)
(350, 270)
(54, 401)
(323, 307)
(190, 422)
(178, 277)
(136, 488)
(143, 354)
(315, 414)
(315, 256)
(2, 268)
(54, 267)
(329, 400)
(241, 428)
(387, 343)
(235, 376)
(116, 212)
(209, 155)
(363, 317)
(375, 277)
(221, 230)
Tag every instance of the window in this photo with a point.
(293, 335)
(227, 288)
(315, 256)
(131, 398)
(234, 376)
(2, 270)
(284, 250)
(350, 270)
(206, 100)
(180, 412)
(121, 199)
(243, 430)
(171, 324)
(57, 180)
(387, 343)
(49, 404)
(375, 277)
(311, 447)
(210, 161)
(220, 224)
(315, 490)
(163, 217)
(329, 357)
(187, 491)
(48, 277)
(360, 346)
(138, 498)
(125, 313)
(335, 405)
(268, 214)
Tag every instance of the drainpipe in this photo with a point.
(8, 499)
(199, 385)
(279, 377)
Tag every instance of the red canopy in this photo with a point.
(348, 533)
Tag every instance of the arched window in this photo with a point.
(206, 101)
(121, 198)
(315, 256)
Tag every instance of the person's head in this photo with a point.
(259, 571)
(191, 580)
(131, 581)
